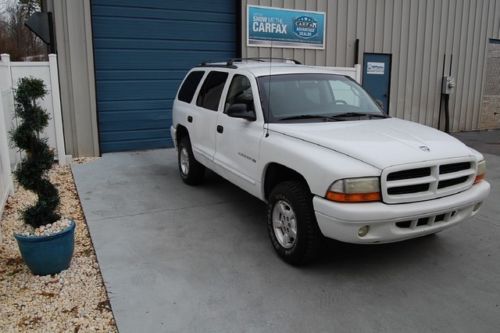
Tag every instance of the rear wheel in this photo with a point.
(192, 172)
(292, 224)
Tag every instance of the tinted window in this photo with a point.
(211, 90)
(240, 92)
(189, 86)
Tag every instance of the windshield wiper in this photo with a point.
(336, 116)
(308, 116)
(359, 114)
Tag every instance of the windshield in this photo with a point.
(314, 97)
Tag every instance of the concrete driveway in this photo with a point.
(181, 259)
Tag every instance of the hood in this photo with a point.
(380, 143)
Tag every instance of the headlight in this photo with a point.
(481, 171)
(355, 190)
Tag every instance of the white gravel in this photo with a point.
(74, 300)
(45, 230)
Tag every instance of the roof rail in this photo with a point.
(231, 61)
(215, 64)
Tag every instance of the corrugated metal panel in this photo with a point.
(481, 66)
(418, 34)
(142, 51)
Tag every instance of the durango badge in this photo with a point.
(305, 27)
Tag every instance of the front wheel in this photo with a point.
(192, 172)
(292, 224)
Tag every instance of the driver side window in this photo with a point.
(240, 92)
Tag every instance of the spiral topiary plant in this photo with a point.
(31, 172)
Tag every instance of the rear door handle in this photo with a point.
(220, 129)
(190, 119)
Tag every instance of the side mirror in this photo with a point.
(240, 110)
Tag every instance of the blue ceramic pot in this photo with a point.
(46, 255)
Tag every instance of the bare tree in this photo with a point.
(15, 38)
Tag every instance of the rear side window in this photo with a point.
(189, 86)
(211, 90)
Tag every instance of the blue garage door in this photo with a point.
(142, 50)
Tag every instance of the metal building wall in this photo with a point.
(418, 34)
(73, 31)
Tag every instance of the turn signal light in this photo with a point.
(479, 178)
(365, 189)
(353, 197)
(481, 171)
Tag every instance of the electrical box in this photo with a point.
(448, 85)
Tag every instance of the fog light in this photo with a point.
(363, 230)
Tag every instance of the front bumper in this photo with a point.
(396, 222)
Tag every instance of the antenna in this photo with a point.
(269, 88)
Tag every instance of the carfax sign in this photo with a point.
(269, 26)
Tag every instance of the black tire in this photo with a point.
(195, 171)
(308, 238)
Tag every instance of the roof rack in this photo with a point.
(216, 64)
(231, 62)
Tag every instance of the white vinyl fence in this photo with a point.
(353, 72)
(10, 73)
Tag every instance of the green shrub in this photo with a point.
(31, 173)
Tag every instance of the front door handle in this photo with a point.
(220, 129)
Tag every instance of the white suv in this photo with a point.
(317, 148)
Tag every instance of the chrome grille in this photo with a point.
(427, 180)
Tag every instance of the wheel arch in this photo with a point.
(276, 173)
(181, 131)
